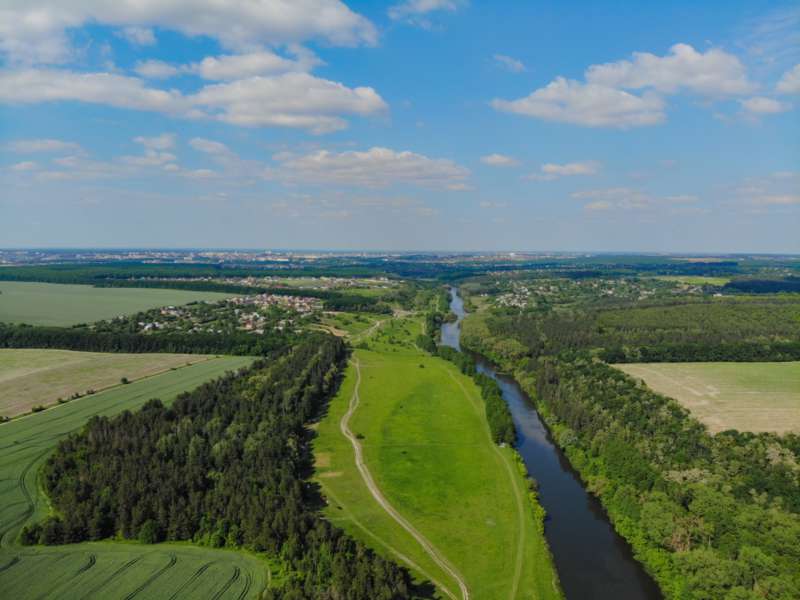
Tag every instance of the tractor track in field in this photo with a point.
(111, 577)
(233, 578)
(195, 576)
(28, 499)
(172, 560)
(366, 476)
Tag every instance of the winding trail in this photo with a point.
(440, 560)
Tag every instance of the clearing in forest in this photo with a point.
(431, 491)
(33, 377)
(61, 304)
(744, 396)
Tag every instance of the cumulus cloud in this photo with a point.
(587, 104)
(713, 73)
(209, 146)
(290, 100)
(410, 10)
(509, 64)
(27, 165)
(499, 160)
(761, 105)
(789, 83)
(42, 145)
(138, 36)
(550, 171)
(165, 141)
(373, 168)
(777, 200)
(620, 198)
(35, 31)
(155, 69)
(263, 62)
(606, 98)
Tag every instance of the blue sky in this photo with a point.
(407, 125)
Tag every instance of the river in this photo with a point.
(593, 562)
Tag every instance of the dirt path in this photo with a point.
(517, 493)
(440, 560)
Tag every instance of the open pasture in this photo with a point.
(64, 304)
(425, 440)
(128, 570)
(25, 443)
(32, 377)
(744, 396)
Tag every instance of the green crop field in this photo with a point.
(25, 444)
(63, 304)
(745, 396)
(694, 279)
(32, 377)
(426, 443)
(128, 570)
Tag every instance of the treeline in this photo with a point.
(724, 329)
(226, 466)
(66, 338)
(709, 516)
(764, 286)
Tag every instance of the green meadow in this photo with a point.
(64, 304)
(423, 430)
(70, 571)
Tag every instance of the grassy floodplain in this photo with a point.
(749, 396)
(425, 439)
(34, 377)
(59, 304)
(25, 444)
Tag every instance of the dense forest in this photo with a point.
(225, 465)
(72, 338)
(709, 516)
(717, 329)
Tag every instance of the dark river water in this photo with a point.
(593, 562)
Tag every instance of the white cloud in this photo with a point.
(761, 105)
(209, 146)
(263, 62)
(42, 145)
(603, 100)
(790, 81)
(43, 85)
(289, 100)
(713, 73)
(681, 199)
(374, 168)
(551, 171)
(155, 69)
(24, 166)
(150, 158)
(499, 160)
(509, 64)
(165, 141)
(408, 9)
(138, 36)
(35, 31)
(621, 198)
(590, 105)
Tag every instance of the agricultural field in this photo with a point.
(33, 377)
(63, 304)
(26, 442)
(422, 430)
(129, 570)
(744, 396)
(694, 279)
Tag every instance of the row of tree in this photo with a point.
(225, 465)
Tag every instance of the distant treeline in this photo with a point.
(70, 338)
(764, 286)
(721, 329)
(225, 466)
